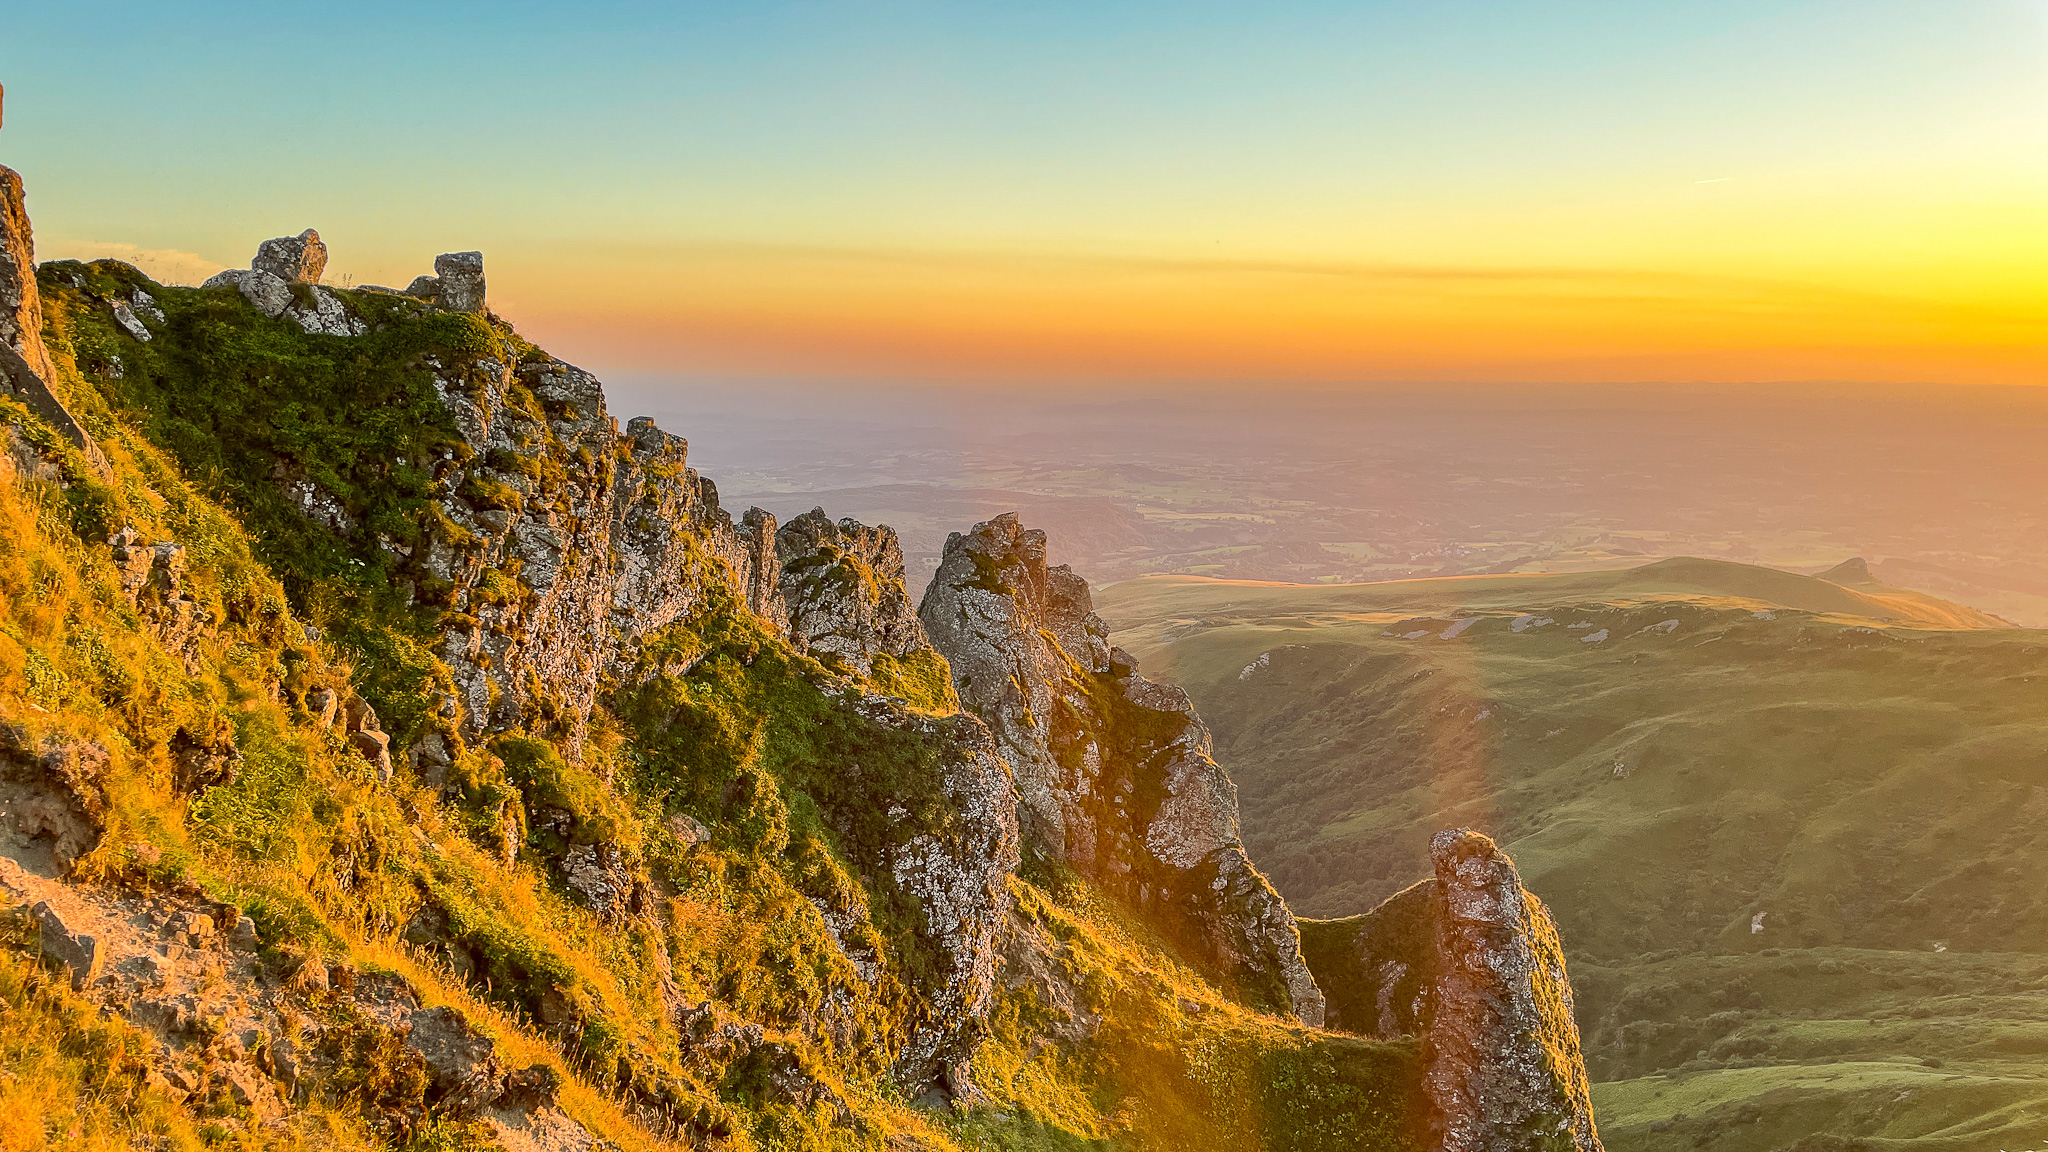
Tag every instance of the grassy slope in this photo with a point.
(1875, 793)
(327, 860)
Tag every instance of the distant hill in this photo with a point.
(1790, 824)
(1843, 591)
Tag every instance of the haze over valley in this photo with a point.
(1938, 488)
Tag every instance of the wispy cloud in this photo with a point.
(163, 265)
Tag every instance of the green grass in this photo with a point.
(804, 792)
(1877, 793)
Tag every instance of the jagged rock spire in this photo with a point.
(1501, 1060)
(1469, 961)
(1114, 774)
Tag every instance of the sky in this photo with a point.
(1227, 194)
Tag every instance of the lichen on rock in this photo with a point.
(843, 588)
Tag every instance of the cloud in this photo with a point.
(163, 265)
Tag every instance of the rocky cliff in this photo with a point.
(1468, 961)
(395, 751)
(1114, 776)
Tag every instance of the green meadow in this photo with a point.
(1792, 828)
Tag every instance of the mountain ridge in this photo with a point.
(395, 748)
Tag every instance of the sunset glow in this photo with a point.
(1584, 191)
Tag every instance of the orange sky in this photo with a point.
(1309, 190)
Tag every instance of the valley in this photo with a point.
(1783, 821)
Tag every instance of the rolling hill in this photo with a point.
(1788, 824)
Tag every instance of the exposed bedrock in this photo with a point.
(1114, 774)
(1470, 962)
(26, 372)
(842, 586)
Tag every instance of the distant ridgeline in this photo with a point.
(398, 753)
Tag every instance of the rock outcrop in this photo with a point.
(746, 897)
(843, 589)
(264, 291)
(564, 542)
(457, 283)
(53, 803)
(297, 259)
(461, 275)
(1114, 774)
(268, 285)
(1470, 962)
(26, 371)
(21, 306)
(959, 872)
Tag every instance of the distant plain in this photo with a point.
(1940, 488)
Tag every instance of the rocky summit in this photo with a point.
(397, 751)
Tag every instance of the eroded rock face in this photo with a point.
(1114, 773)
(25, 369)
(842, 587)
(53, 801)
(570, 542)
(21, 304)
(226, 1025)
(1469, 961)
(960, 874)
(153, 579)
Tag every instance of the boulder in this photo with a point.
(293, 259)
(79, 953)
(376, 748)
(460, 277)
(126, 319)
(324, 704)
(467, 1076)
(265, 292)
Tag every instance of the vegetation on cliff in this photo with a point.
(353, 875)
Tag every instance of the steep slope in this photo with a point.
(1780, 840)
(397, 753)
